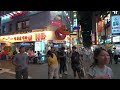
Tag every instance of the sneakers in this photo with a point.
(60, 76)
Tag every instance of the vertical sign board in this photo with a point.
(115, 24)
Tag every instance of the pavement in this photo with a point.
(40, 71)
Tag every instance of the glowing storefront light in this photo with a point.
(115, 12)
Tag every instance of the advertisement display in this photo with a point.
(56, 18)
(37, 46)
(115, 25)
(116, 39)
(40, 46)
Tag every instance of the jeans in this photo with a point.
(63, 66)
(22, 74)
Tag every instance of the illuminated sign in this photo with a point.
(115, 24)
(40, 36)
(56, 22)
(34, 36)
(116, 39)
(115, 12)
(93, 37)
(17, 38)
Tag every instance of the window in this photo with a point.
(27, 23)
(3, 29)
(23, 25)
(19, 25)
(10, 27)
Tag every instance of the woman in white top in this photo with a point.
(99, 70)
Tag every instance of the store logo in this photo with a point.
(40, 36)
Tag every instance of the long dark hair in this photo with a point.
(49, 53)
(96, 53)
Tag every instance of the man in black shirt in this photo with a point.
(62, 58)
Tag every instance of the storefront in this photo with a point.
(41, 39)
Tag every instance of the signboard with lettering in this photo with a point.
(115, 24)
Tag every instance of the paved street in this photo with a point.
(35, 71)
(41, 71)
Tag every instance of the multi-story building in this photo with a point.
(32, 26)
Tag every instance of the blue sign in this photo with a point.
(78, 27)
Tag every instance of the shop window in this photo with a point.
(27, 23)
(3, 29)
(10, 27)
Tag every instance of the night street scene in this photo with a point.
(59, 44)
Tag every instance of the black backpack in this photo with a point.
(75, 58)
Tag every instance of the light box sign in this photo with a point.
(115, 25)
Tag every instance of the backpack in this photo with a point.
(75, 58)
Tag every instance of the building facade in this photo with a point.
(45, 27)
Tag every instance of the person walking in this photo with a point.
(116, 55)
(75, 63)
(98, 69)
(52, 66)
(62, 60)
(21, 64)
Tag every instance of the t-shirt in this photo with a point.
(75, 58)
(95, 71)
(62, 56)
(21, 59)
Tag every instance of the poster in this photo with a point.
(37, 46)
(115, 24)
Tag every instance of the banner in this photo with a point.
(115, 24)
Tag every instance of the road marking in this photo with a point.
(11, 72)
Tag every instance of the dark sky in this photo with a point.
(86, 19)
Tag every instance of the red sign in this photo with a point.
(59, 35)
(55, 22)
(23, 38)
(93, 37)
(99, 26)
(40, 36)
(63, 30)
